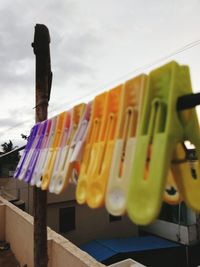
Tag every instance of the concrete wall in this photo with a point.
(2, 221)
(16, 227)
(19, 233)
(64, 253)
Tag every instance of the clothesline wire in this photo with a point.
(111, 83)
(141, 68)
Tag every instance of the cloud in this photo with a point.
(92, 43)
(72, 43)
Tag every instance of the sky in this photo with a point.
(95, 45)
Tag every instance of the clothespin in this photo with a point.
(97, 118)
(40, 151)
(162, 127)
(124, 145)
(103, 150)
(187, 171)
(60, 182)
(30, 152)
(53, 151)
(26, 150)
(44, 154)
(62, 150)
(31, 166)
(77, 145)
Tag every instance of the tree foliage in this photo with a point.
(12, 157)
(7, 146)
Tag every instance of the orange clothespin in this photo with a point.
(103, 150)
(97, 118)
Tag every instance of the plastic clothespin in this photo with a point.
(103, 150)
(31, 166)
(98, 110)
(77, 145)
(43, 157)
(182, 155)
(40, 151)
(30, 153)
(162, 127)
(62, 150)
(124, 145)
(50, 161)
(60, 182)
(26, 150)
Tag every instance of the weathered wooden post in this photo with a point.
(43, 87)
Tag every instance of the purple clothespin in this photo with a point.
(30, 153)
(44, 145)
(26, 150)
(36, 152)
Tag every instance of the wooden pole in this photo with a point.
(43, 86)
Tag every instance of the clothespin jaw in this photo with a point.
(53, 151)
(103, 150)
(61, 181)
(162, 127)
(31, 166)
(93, 135)
(26, 150)
(124, 145)
(29, 153)
(45, 154)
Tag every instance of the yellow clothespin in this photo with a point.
(124, 145)
(163, 127)
(97, 118)
(187, 175)
(53, 151)
(103, 150)
(61, 180)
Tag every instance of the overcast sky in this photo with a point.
(94, 45)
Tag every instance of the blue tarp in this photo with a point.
(102, 249)
(98, 251)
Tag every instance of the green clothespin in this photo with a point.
(161, 128)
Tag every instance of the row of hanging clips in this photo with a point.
(125, 149)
